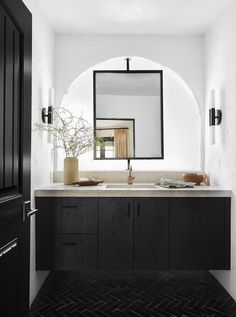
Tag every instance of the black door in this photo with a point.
(15, 130)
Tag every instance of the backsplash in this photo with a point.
(121, 176)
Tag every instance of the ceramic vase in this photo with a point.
(71, 170)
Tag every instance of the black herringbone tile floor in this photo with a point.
(147, 294)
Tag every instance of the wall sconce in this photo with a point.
(47, 113)
(215, 116)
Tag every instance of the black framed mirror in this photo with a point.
(128, 114)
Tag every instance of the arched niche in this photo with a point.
(182, 122)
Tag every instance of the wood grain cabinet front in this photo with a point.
(133, 233)
(193, 252)
(125, 233)
(75, 252)
(115, 235)
(75, 215)
(66, 233)
(199, 233)
(150, 233)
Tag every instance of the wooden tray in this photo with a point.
(88, 182)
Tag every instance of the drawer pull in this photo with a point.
(194, 207)
(69, 207)
(128, 210)
(69, 243)
(8, 247)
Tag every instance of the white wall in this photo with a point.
(182, 54)
(182, 124)
(220, 56)
(42, 80)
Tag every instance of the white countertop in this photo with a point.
(61, 190)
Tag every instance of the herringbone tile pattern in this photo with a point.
(147, 294)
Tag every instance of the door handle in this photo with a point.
(27, 211)
(8, 247)
(31, 212)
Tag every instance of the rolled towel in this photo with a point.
(172, 183)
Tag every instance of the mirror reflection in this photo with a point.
(128, 114)
(118, 138)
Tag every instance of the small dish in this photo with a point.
(193, 177)
(88, 182)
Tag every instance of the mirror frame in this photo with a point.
(161, 157)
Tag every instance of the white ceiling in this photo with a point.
(132, 16)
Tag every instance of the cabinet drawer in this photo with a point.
(196, 215)
(75, 252)
(75, 215)
(197, 252)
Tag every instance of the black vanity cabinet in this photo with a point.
(199, 233)
(125, 233)
(66, 233)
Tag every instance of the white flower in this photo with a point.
(73, 134)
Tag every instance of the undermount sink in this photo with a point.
(133, 186)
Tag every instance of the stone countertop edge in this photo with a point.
(61, 190)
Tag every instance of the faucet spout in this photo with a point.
(128, 163)
(130, 177)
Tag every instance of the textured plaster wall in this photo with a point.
(42, 80)
(182, 54)
(220, 61)
(182, 151)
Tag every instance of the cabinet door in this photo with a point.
(76, 215)
(115, 233)
(197, 252)
(199, 215)
(75, 252)
(59, 217)
(150, 233)
(199, 231)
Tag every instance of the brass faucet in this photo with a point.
(130, 177)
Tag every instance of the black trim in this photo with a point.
(161, 109)
(127, 64)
